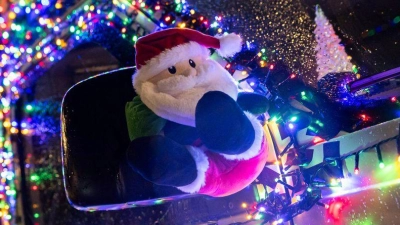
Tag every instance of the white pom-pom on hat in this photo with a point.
(230, 44)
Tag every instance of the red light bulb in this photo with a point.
(317, 140)
(363, 117)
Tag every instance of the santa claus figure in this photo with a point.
(190, 127)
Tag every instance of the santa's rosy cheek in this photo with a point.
(160, 76)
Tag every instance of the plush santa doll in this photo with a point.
(190, 127)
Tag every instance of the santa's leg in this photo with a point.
(162, 161)
(222, 125)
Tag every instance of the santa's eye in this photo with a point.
(192, 63)
(172, 70)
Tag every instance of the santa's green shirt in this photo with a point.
(141, 120)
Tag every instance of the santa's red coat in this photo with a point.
(225, 177)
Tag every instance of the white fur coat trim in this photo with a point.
(166, 59)
(256, 146)
(186, 115)
(202, 165)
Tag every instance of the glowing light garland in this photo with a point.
(36, 34)
(359, 189)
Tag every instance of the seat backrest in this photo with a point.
(94, 142)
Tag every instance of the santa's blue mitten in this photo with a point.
(180, 133)
(162, 161)
(254, 103)
(222, 125)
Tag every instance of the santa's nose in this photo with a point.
(189, 72)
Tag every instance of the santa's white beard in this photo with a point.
(176, 98)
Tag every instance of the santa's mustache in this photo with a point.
(177, 83)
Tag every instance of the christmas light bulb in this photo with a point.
(258, 216)
(334, 182)
(317, 140)
(29, 107)
(357, 161)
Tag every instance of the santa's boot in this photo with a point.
(162, 161)
(222, 125)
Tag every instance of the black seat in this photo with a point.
(94, 141)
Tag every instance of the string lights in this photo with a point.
(379, 154)
(328, 173)
(285, 209)
(36, 34)
(357, 161)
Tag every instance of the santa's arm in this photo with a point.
(182, 134)
(141, 120)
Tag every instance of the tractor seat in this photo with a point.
(94, 141)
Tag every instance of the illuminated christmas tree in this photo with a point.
(331, 56)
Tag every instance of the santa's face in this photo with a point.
(174, 92)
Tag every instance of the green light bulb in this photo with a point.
(22, 3)
(29, 107)
(396, 19)
(72, 29)
(34, 177)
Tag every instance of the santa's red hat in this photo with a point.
(163, 49)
